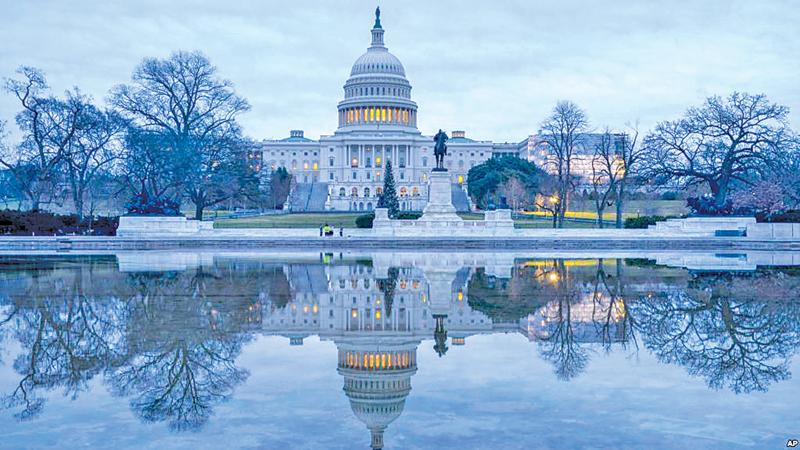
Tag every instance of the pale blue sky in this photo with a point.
(494, 69)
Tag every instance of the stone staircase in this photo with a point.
(460, 198)
(318, 197)
(307, 197)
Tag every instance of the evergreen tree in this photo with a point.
(389, 199)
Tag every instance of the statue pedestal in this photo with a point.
(440, 202)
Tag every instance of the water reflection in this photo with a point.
(164, 333)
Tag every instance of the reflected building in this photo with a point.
(378, 317)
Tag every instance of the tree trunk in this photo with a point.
(78, 199)
(619, 199)
(721, 194)
(600, 210)
(198, 210)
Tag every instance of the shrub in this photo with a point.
(365, 221)
(409, 215)
(763, 200)
(669, 195)
(145, 205)
(791, 216)
(705, 205)
(644, 221)
(27, 223)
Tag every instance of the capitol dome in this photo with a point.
(377, 380)
(377, 93)
(378, 60)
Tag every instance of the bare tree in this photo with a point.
(785, 170)
(517, 194)
(718, 144)
(605, 173)
(95, 147)
(629, 154)
(150, 167)
(48, 125)
(183, 100)
(548, 199)
(562, 133)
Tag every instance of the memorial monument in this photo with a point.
(439, 207)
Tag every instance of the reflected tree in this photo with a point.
(387, 286)
(610, 313)
(66, 342)
(734, 330)
(560, 345)
(185, 332)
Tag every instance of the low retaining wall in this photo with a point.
(133, 226)
(774, 230)
(496, 231)
(495, 224)
(707, 226)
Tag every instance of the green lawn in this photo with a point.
(298, 220)
(348, 220)
(634, 208)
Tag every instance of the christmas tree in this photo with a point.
(388, 199)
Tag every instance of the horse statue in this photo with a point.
(440, 150)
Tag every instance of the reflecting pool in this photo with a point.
(397, 350)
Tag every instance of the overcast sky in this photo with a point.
(492, 68)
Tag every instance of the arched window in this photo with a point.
(415, 191)
(403, 191)
(378, 191)
(354, 192)
(369, 206)
(361, 206)
(331, 162)
(366, 192)
(341, 192)
(424, 161)
(294, 165)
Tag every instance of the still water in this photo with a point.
(163, 350)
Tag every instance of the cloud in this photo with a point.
(494, 69)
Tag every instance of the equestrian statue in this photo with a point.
(440, 150)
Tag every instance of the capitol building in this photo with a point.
(377, 123)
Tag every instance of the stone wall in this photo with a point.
(134, 226)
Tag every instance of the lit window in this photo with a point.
(461, 179)
(315, 166)
(305, 165)
(377, 161)
(354, 162)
